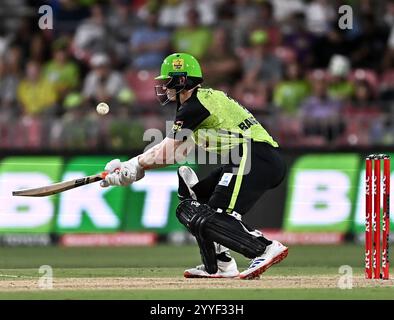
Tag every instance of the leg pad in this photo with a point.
(202, 221)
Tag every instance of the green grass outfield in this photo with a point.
(162, 262)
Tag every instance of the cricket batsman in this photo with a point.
(212, 208)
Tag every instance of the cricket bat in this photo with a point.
(60, 186)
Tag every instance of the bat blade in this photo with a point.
(59, 187)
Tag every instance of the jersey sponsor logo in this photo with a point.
(177, 64)
(177, 126)
(247, 123)
(225, 180)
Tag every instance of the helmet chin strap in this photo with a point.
(178, 96)
(178, 100)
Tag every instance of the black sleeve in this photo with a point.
(188, 117)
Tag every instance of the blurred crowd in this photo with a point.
(309, 81)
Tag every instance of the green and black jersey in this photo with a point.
(217, 122)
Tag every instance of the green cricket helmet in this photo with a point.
(179, 64)
(174, 67)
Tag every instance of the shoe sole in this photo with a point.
(256, 273)
(190, 276)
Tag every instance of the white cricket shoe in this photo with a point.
(274, 253)
(225, 270)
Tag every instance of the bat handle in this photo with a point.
(103, 174)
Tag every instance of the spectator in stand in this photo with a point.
(320, 114)
(370, 45)
(92, 36)
(260, 18)
(36, 94)
(260, 62)
(192, 38)
(299, 40)
(335, 42)
(388, 15)
(292, 90)
(22, 39)
(320, 14)
(386, 84)
(252, 93)
(67, 16)
(285, 8)
(85, 135)
(102, 83)
(340, 88)
(4, 42)
(382, 132)
(261, 71)
(265, 21)
(220, 66)
(39, 50)
(225, 17)
(9, 79)
(365, 117)
(388, 61)
(149, 44)
(6, 110)
(363, 100)
(173, 13)
(245, 15)
(121, 22)
(61, 71)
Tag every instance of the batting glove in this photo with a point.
(122, 173)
